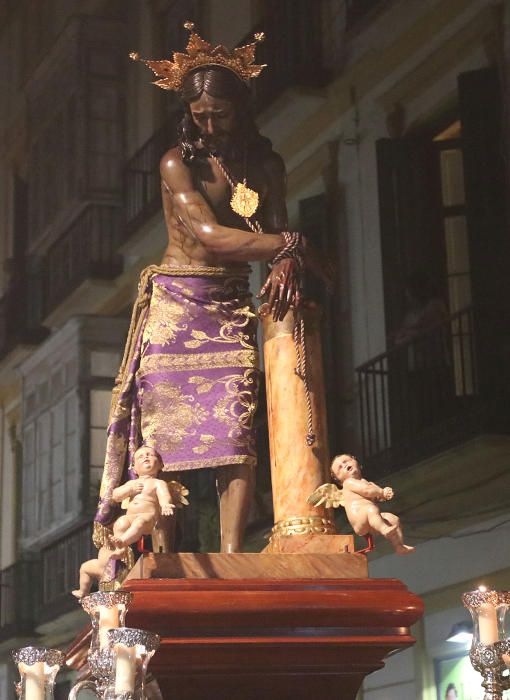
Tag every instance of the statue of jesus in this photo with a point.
(188, 385)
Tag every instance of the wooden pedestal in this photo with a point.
(262, 638)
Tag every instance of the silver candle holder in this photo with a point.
(118, 656)
(132, 649)
(490, 648)
(38, 668)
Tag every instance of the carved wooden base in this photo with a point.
(251, 639)
(251, 566)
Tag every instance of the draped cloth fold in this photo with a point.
(188, 381)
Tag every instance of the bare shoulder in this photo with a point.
(351, 483)
(174, 173)
(274, 166)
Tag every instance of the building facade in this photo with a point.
(392, 118)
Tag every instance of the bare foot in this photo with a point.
(118, 552)
(404, 549)
(78, 593)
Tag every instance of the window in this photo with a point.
(51, 465)
(99, 410)
(454, 217)
(458, 267)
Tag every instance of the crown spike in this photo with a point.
(259, 37)
(198, 53)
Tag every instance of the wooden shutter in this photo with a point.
(316, 222)
(410, 221)
(489, 239)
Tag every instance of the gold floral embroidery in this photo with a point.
(185, 291)
(169, 415)
(116, 446)
(197, 360)
(237, 407)
(230, 330)
(221, 461)
(207, 442)
(166, 316)
(203, 385)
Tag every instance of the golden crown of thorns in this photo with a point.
(201, 53)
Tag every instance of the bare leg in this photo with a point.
(125, 533)
(89, 571)
(85, 585)
(386, 525)
(235, 484)
(395, 535)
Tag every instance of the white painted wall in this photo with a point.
(9, 415)
(395, 681)
(449, 560)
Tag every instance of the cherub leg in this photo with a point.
(384, 526)
(395, 535)
(92, 569)
(129, 531)
(89, 571)
(120, 527)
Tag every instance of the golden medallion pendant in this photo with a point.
(244, 201)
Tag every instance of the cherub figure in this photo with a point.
(93, 569)
(359, 496)
(148, 496)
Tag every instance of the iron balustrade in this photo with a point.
(142, 178)
(358, 11)
(18, 592)
(416, 385)
(12, 315)
(17, 321)
(87, 249)
(292, 50)
(60, 565)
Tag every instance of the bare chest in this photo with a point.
(217, 181)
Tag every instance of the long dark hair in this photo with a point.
(224, 84)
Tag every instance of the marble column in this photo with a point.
(297, 468)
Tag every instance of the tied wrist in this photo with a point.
(293, 248)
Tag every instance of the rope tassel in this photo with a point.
(301, 372)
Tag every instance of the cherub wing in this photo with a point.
(328, 495)
(178, 493)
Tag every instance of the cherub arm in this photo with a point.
(164, 497)
(130, 488)
(369, 490)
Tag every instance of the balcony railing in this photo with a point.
(87, 249)
(142, 179)
(306, 42)
(59, 570)
(419, 394)
(16, 324)
(18, 599)
(360, 11)
(292, 50)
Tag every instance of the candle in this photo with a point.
(125, 669)
(108, 619)
(488, 624)
(34, 680)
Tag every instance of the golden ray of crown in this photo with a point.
(201, 53)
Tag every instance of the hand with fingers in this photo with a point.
(283, 287)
